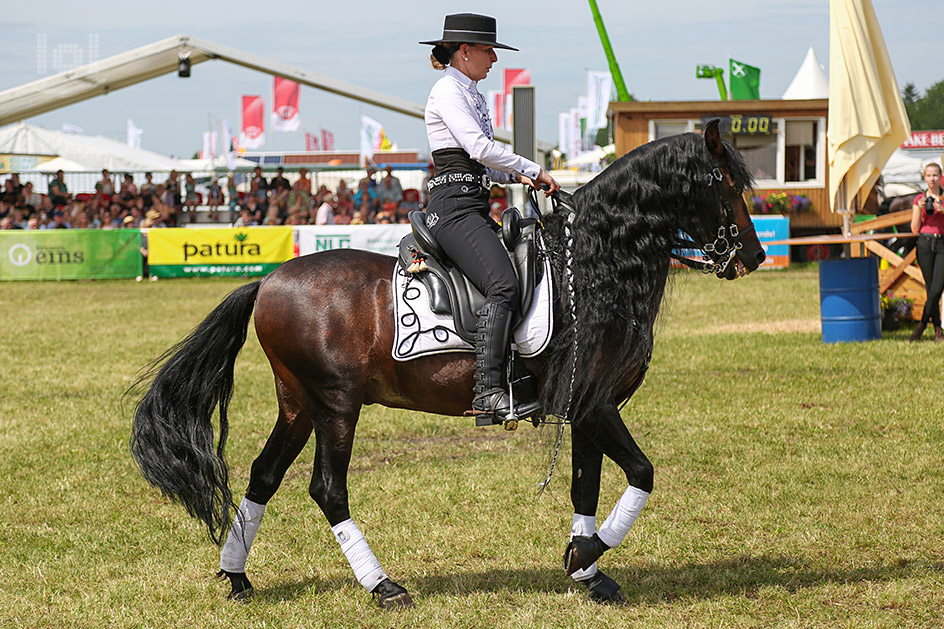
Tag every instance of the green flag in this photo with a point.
(745, 81)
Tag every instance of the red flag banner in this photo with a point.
(327, 140)
(311, 142)
(285, 105)
(252, 135)
(514, 76)
(496, 107)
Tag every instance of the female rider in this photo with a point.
(466, 158)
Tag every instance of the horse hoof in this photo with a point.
(391, 595)
(241, 587)
(605, 590)
(582, 552)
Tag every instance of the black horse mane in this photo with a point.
(626, 222)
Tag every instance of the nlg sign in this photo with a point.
(925, 140)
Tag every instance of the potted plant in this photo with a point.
(895, 310)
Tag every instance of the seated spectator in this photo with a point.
(7, 223)
(305, 180)
(245, 219)
(191, 199)
(359, 218)
(17, 186)
(32, 222)
(58, 191)
(105, 221)
(279, 182)
(325, 214)
(171, 194)
(82, 221)
(153, 220)
(389, 191)
(386, 215)
(369, 179)
(59, 221)
(216, 199)
(105, 185)
(272, 216)
(128, 191)
(394, 182)
(30, 199)
(232, 193)
(147, 189)
(365, 195)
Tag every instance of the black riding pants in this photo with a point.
(931, 261)
(457, 215)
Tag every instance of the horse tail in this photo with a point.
(172, 431)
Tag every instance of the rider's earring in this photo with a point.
(466, 58)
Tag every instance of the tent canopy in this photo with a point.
(810, 80)
(91, 152)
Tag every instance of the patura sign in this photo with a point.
(195, 252)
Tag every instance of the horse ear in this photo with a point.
(713, 140)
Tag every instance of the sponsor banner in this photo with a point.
(70, 254)
(773, 228)
(285, 105)
(924, 140)
(252, 136)
(180, 252)
(379, 238)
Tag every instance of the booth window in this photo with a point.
(760, 152)
(800, 150)
(667, 129)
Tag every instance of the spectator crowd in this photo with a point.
(118, 202)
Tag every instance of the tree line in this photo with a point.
(925, 112)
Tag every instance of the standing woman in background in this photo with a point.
(927, 220)
(466, 159)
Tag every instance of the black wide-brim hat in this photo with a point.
(468, 28)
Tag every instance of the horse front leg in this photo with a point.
(289, 436)
(595, 436)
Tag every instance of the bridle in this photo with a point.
(718, 254)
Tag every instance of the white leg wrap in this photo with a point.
(365, 565)
(621, 518)
(241, 535)
(585, 525)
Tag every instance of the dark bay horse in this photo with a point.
(325, 322)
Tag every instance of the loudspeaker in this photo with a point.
(183, 67)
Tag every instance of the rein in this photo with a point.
(718, 254)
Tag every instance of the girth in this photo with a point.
(450, 292)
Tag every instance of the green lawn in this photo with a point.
(797, 483)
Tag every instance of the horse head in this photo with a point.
(736, 239)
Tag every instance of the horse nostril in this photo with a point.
(761, 256)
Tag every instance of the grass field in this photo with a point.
(797, 484)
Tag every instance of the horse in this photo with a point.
(325, 322)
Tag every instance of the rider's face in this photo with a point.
(481, 58)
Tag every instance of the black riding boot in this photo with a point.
(491, 343)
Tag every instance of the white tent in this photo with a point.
(91, 153)
(810, 80)
(906, 166)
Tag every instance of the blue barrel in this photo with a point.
(849, 300)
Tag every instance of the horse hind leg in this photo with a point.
(334, 443)
(289, 436)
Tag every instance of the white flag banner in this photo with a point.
(574, 133)
(371, 138)
(599, 89)
(134, 134)
(205, 151)
(228, 144)
(564, 124)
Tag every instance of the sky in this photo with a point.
(373, 44)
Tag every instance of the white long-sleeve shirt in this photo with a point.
(457, 117)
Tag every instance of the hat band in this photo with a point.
(451, 30)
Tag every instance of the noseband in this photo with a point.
(718, 254)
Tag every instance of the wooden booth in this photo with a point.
(784, 142)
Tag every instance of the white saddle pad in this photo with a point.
(421, 332)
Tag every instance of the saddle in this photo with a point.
(450, 292)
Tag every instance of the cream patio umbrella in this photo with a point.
(867, 119)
